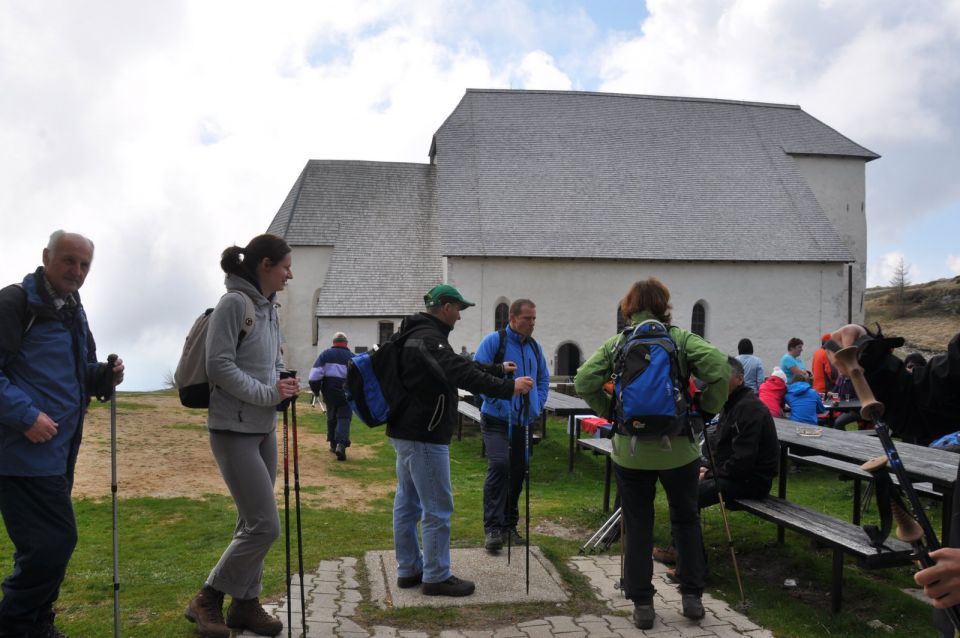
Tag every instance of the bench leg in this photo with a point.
(836, 587)
(573, 438)
(782, 485)
(856, 501)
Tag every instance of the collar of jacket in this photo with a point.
(38, 298)
(426, 317)
(244, 285)
(735, 396)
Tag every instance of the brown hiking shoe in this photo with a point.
(250, 615)
(665, 555)
(206, 609)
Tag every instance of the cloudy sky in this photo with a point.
(169, 130)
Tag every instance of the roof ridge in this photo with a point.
(339, 162)
(672, 98)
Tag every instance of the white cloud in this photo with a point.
(953, 263)
(537, 70)
(881, 271)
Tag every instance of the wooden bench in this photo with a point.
(853, 471)
(469, 412)
(840, 536)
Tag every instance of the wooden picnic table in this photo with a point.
(605, 448)
(569, 406)
(922, 464)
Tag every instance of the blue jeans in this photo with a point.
(424, 494)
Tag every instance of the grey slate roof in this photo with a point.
(381, 219)
(563, 174)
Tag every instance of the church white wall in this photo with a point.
(360, 331)
(577, 300)
(839, 186)
(298, 304)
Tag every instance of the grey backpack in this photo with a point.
(191, 375)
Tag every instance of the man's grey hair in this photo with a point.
(55, 237)
(736, 367)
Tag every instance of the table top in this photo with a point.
(921, 463)
(564, 404)
(600, 446)
(850, 405)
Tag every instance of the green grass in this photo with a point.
(168, 547)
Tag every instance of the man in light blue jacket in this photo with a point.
(503, 420)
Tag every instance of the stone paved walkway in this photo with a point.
(332, 594)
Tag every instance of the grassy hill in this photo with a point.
(928, 318)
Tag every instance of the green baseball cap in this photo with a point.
(445, 292)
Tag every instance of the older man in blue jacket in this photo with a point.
(503, 418)
(48, 372)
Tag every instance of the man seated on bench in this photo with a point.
(745, 448)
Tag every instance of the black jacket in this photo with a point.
(431, 373)
(745, 441)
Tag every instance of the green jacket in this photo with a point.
(697, 356)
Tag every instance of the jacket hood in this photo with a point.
(774, 382)
(798, 386)
(235, 282)
(422, 319)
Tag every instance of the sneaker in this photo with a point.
(251, 616)
(452, 586)
(493, 541)
(515, 539)
(643, 616)
(665, 555)
(692, 606)
(206, 610)
(406, 582)
(341, 452)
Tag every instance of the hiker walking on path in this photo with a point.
(242, 428)
(421, 433)
(640, 463)
(48, 372)
(327, 378)
(502, 422)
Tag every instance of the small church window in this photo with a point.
(698, 323)
(385, 332)
(500, 316)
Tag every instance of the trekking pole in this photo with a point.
(111, 360)
(525, 402)
(509, 486)
(723, 515)
(912, 526)
(296, 493)
(286, 521)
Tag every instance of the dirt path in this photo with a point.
(163, 452)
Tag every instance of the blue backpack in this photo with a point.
(374, 385)
(950, 442)
(650, 398)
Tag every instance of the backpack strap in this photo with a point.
(501, 346)
(249, 315)
(28, 313)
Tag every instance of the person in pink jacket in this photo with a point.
(772, 391)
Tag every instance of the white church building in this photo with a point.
(752, 214)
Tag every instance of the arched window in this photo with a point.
(621, 320)
(568, 359)
(698, 324)
(384, 332)
(500, 316)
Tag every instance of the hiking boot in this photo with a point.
(692, 606)
(333, 447)
(406, 582)
(643, 616)
(206, 609)
(452, 586)
(665, 555)
(515, 539)
(493, 541)
(250, 615)
(341, 452)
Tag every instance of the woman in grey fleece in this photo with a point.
(243, 364)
